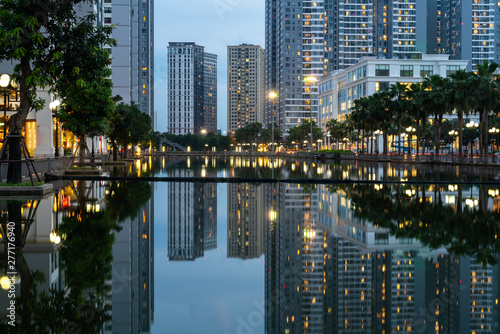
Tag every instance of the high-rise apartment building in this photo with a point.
(132, 60)
(210, 93)
(192, 89)
(294, 57)
(306, 40)
(468, 29)
(245, 86)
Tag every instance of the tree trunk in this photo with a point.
(371, 140)
(384, 138)
(439, 131)
(81, 157)
(481, 121)
(399, 134)
(16, 123)
(437, 141)
(460, 114)
(424, 123)
(115, 151)
(15, 165)
(418, 123)
(486, 144)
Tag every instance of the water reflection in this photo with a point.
(192, 212)
(362, 259)
(83, 257)
(340, 258)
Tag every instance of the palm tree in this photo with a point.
(380, 114)
(434, 100)
(336, 130)
(486, 98)
(399, 104)
(415, 93)
(359, 114)
(461, 98)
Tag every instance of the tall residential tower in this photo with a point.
(245, 86)
(192, 89)
(133, 58)
(306, 40)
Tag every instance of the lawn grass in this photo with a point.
(22, 184)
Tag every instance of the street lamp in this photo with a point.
(53, 106)
(7, 85)
(272, 96)
(377, 134)
(410, 129)
(471, 125)
(452, 133)
(405, 136)
(319, 143)
(493, 131)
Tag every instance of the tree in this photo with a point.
(486, 98)
(461, 98)
(248, 133)
(435, 100)
(416, 111)
(359, 114)
(399, 105)
(336, 130)
(128, 125)
(27, 39)
(84, 82)
(379, 113)
(302, 132)
(266, 134)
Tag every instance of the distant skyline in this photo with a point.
(214, 24)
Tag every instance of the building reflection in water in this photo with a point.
(245, 220)
(329, 270)
(192, 214)
(127, 302)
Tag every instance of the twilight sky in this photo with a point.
(214, 24)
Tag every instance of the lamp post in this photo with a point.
(319, 143)
(53, 106)
(272, 96)
(471, 125)
(493, 131)
(8, 86)
(404, 135)
(4, 83)
(377, 133)
(452, 133)
(410, 129)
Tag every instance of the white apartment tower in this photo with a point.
(132, 60)
(192, 89)
(245, 86)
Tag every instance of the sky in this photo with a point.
(214, 24)
(212, 295)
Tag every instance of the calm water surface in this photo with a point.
(414, 249)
